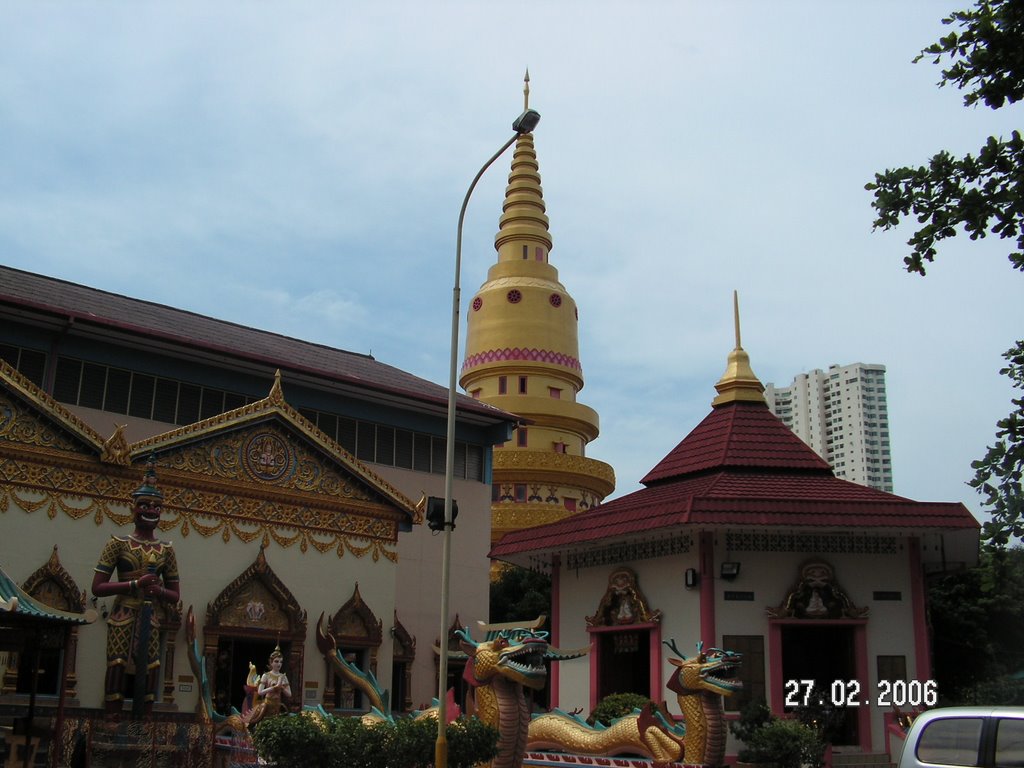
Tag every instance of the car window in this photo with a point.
(950, 741)
(1010, 743)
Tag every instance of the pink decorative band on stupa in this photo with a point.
(517, 353)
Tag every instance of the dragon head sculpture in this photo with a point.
(510, 659)
(699, 684)
(516, 654)
(712, 671)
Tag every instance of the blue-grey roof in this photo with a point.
(18, 606)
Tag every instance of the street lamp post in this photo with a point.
(525, 123)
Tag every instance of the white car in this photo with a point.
(989, 737)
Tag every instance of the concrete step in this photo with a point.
(861, 760)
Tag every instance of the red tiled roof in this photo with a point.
(90, 306)
(740, 467)
(743, 434)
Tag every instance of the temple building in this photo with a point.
(291, 475)
(744, 539)
(522, 356)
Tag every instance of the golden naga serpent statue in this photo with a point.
(511, 660)
(698, 682)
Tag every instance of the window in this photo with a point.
(569, 503)
(28, 362)
(212, 403)
(165, 402)
(94, 381)
(476, 393)
(520, 491)
(1010, 742)
(503, 385)
(891, 667)
(522, 385)
(950, 741)
(188, 403)
(386, 445)
(555, 393)
(118, 383)
(561, 447)
(521, 437)
(366, 440)
(347, 436)
(141, 402)
(403, 448)
(751, 672)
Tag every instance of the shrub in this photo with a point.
(784, 743)
(294, 741)
(306, 741)
(411, 742)
(470, 742)
(752, 717)
(617, 705)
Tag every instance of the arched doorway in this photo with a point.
(248, 619)
(625, 637)
(357, 635)
(818, 651)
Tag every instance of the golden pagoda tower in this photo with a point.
(522, 355)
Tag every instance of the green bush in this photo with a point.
(294, 741)
(411, 742)
(784, 743)
(617, 705)
(471, 742)
(306, 741)
(753, 716)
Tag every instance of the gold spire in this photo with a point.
(738, 383)
(523, 227)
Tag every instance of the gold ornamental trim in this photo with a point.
(511, 465)
(259, 472)
(80, 493)
(513, 517)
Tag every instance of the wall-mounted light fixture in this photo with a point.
(730, 570)
(691, 579)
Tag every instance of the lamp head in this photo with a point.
(526, 122)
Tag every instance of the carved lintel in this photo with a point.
(623, 603)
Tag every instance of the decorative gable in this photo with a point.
(623, 603)
(264, 471)
(30, 417)
(817, 595)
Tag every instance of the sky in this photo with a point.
(298, 167)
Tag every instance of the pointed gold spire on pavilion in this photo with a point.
(738, 383)
(526, 90)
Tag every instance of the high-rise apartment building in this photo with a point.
(842, 414)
